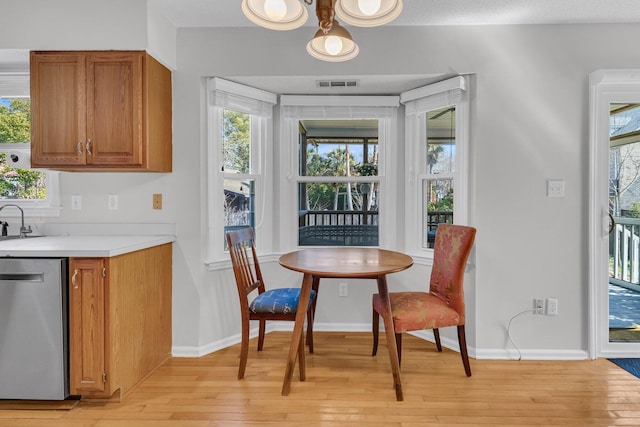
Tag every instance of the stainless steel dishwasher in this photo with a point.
(34, 362)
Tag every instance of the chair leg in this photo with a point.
(261, 334)
(376, 330)
(462, 341)
(436, 334)
(310, 330)
(399, 347)
(301, 358)
(244, 349)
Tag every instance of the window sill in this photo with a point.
(223, 264)
(422, 258)
(30, 211)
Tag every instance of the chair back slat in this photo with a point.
(452, 247)
(244, 258)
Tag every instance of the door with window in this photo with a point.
(615, 214)
(624, 236)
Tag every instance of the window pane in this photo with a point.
(338, 155)
(338, 214)
(15, 120)
(20, 183)
(438, 207)
(330, 157)
(15, 127)
(624, 120)
(441, 140)
(239, 202)
(236, 142)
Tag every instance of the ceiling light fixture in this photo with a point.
(332, 42)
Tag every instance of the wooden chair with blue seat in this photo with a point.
(443, 305)
(273, 304)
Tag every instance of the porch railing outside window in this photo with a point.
(624, 253)
(353, 228)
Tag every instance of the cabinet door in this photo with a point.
(58, 114)
(114, 109)
(87, 326)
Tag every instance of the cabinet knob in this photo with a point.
(89, 147)
(79, 147)
(73, 279)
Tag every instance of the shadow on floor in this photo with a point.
(624, 314)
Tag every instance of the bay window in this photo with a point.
(436, 128)
(240, 125)
(335, 187)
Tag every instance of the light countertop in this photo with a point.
(80, 246)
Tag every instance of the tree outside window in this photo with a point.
(15, 128)
(239, 193)
(338, 211)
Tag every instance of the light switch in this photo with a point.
(113, 202)
(555, 188)
(76, 202)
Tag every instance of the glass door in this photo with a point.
(614, 213)
(623, 286)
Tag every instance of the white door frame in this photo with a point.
(605, 87)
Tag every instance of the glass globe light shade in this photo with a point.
(369, 7)
(333, 45)
(275, 9)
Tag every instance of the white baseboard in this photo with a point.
(452, 344)
(530, 354)
(184, 351)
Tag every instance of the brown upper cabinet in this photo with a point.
(100, 111)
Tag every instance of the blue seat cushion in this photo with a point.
(281, 300)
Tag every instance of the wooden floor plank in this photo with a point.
(345, 386)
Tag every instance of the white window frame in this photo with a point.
(417, 103)
(15, 84)
(309, 107)
(223, 94)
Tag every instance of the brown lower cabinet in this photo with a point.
(119, 320)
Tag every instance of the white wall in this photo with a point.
(118, 24)
(529, 124)
(73, 24)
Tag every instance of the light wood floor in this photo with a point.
(345, 386)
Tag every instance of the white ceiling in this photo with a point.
(227, 13)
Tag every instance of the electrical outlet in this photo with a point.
(113, 202)
(555, 188)
(538, 306)
(343, 289)
(157, 201)
(552, 307)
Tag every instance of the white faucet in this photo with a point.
(23, 230)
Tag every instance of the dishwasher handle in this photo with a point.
(22, 277)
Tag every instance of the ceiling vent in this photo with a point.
(336, 83)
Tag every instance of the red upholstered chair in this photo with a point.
(273, 304)
(443, 305)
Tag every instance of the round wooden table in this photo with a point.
(344, 263)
